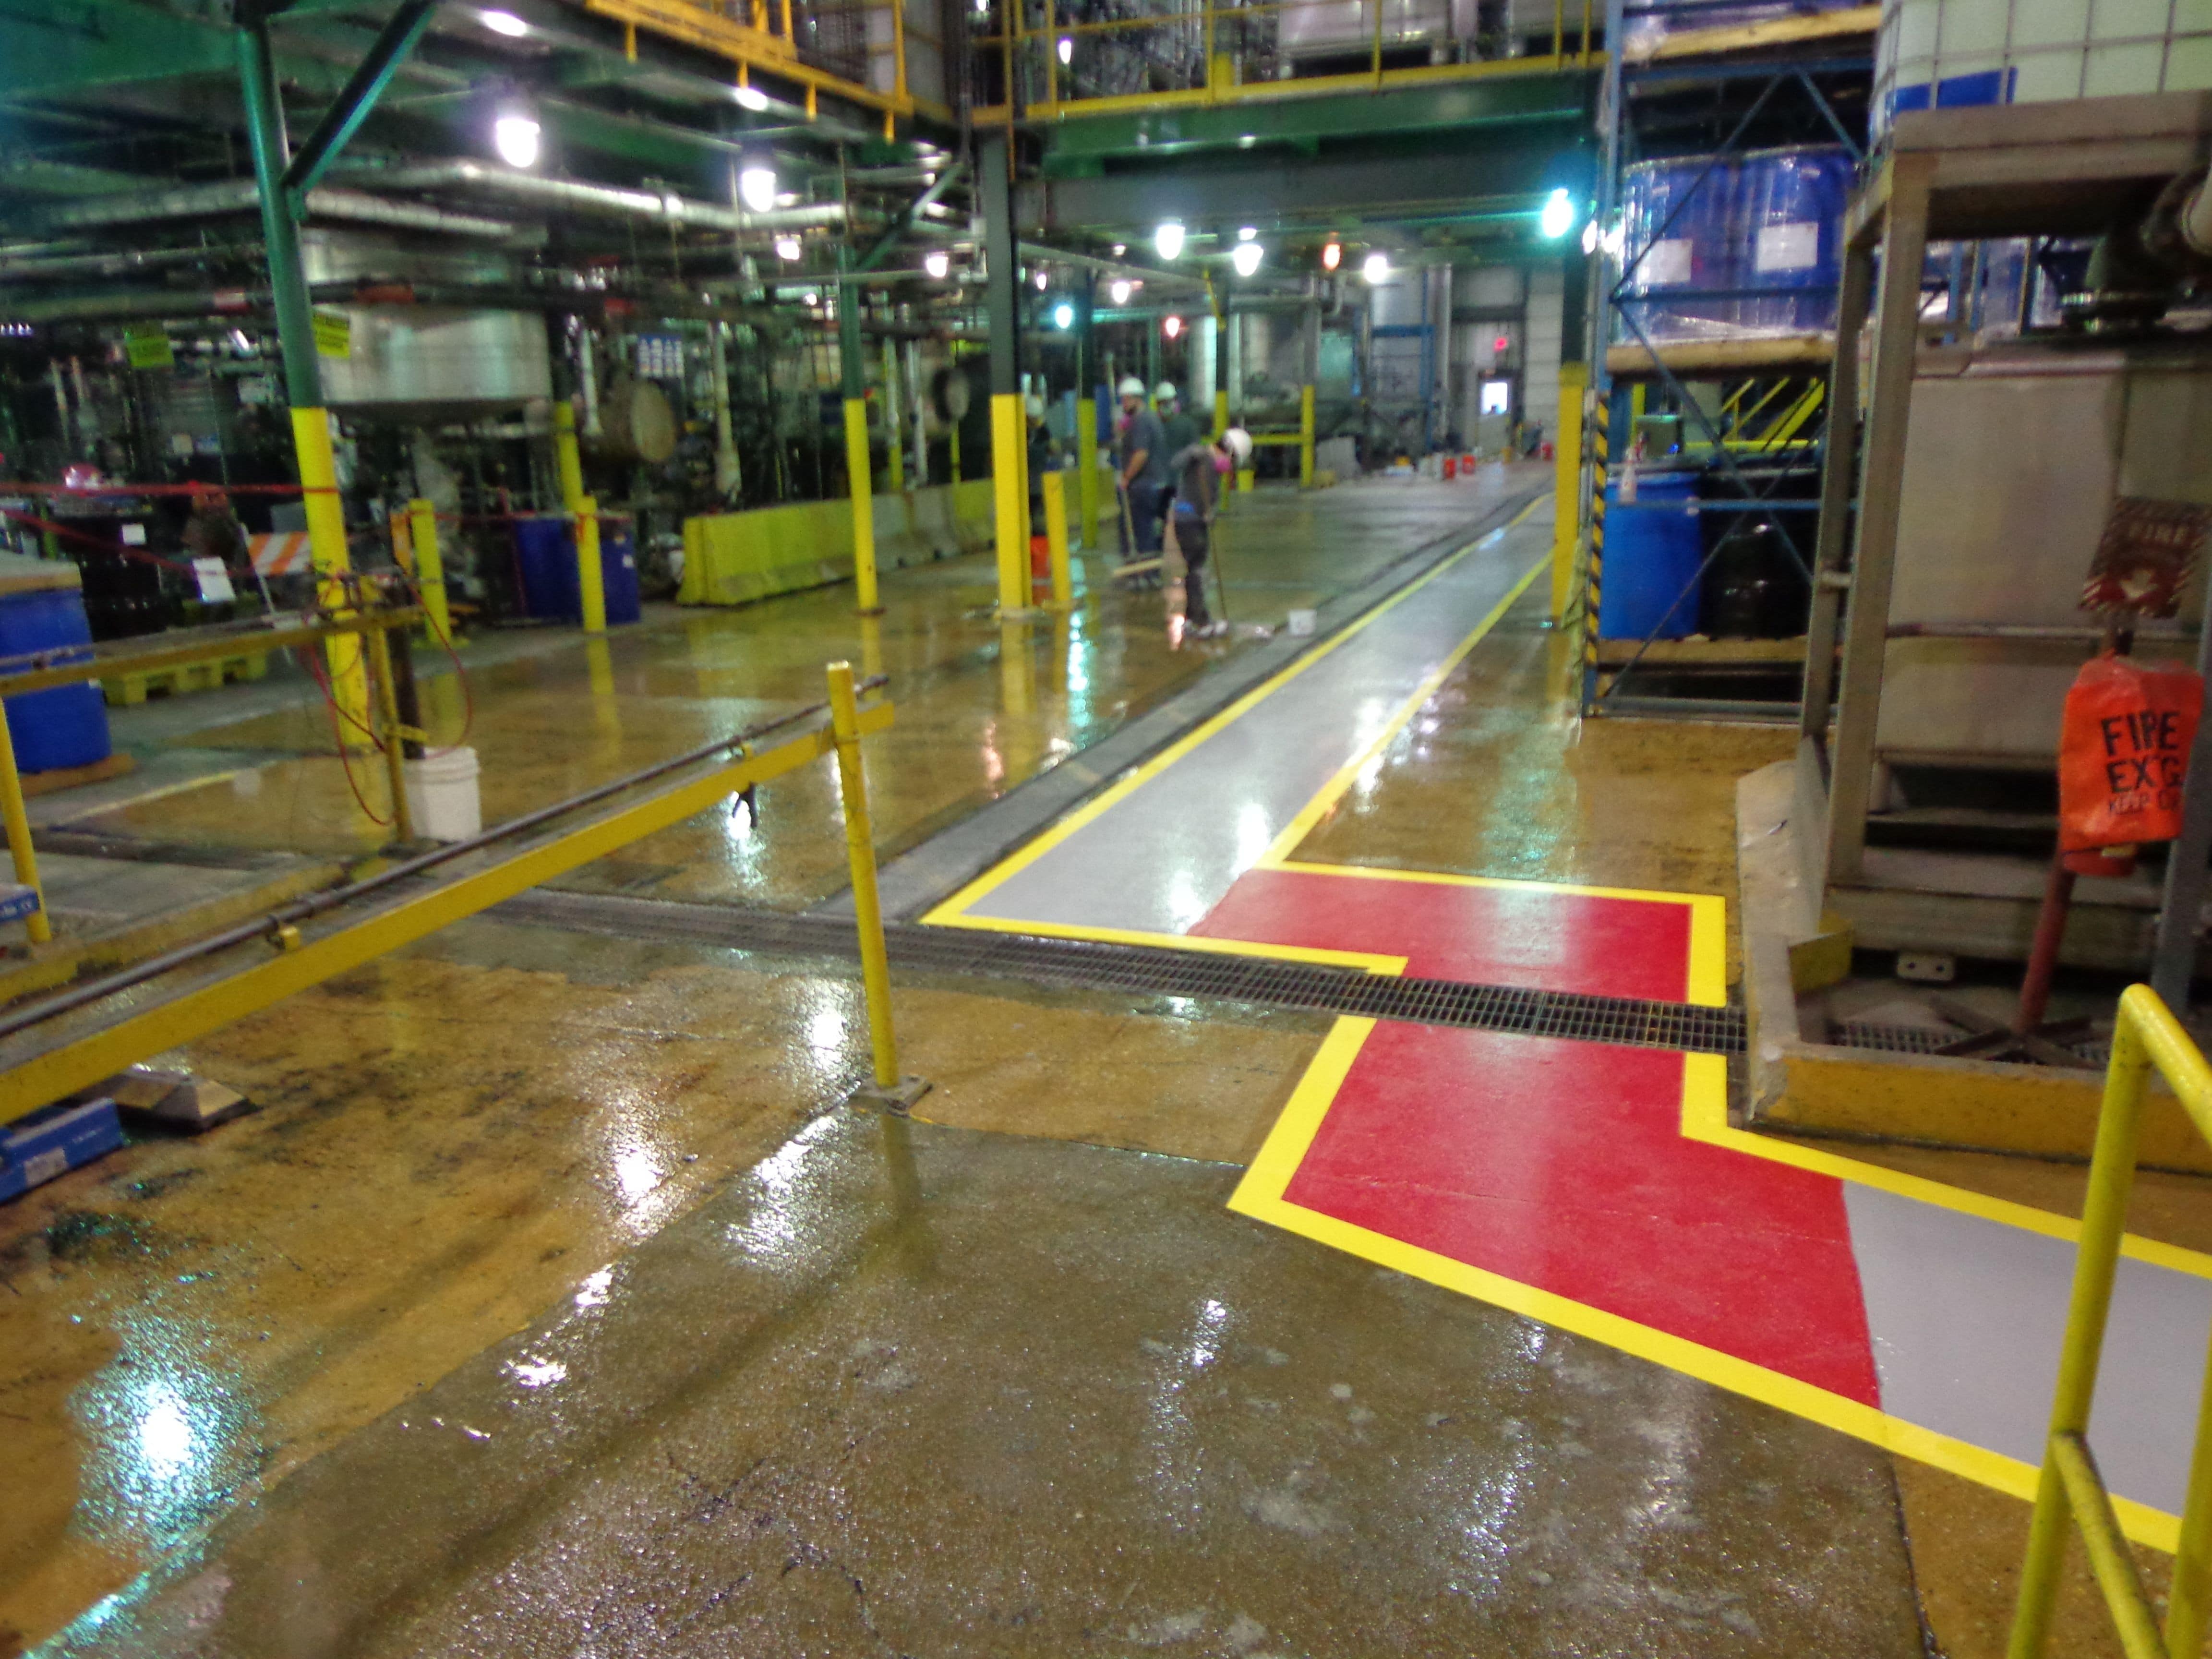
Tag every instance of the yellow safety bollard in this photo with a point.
(18, 823)
(591, 580)
(1055, 540)
(327, 546)
(1567, 486)
(1305, 437)
(889, 1089)
(1086, 467)
(566, 456)
(429, 567)
(387, 709)
(1011, 501)
(860, 473)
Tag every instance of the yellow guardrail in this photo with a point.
(82, 1053)
(2145, 1034)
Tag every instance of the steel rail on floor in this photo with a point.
(2145, 1035)
(79, 1061)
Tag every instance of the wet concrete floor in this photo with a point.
(548, 1306)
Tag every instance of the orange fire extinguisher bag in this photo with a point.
(2123, 749)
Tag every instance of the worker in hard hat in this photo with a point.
(1143, 471)
(1180, 429)
(1044, 456)
(1197, 469)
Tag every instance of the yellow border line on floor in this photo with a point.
(1704, 1097)
(951, 913)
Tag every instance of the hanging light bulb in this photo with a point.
(1557, 217)
(751, 98)
(1247, 258)
(936, 262)
(1377, 268)
(1043, 281)
(786, 248)
(1066, 48)
(514, 136)
(506, 23)
(1120, 291)
(1246, 232)
(1063, 316)
(1168, 240)
(1171, 327)
(1332, 254)
(757, 184)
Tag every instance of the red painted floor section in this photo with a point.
(1521, 936)
(1559, 1165)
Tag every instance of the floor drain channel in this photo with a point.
(1078, 964)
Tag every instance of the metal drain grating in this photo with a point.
(1078, 964)
(1927, 1039)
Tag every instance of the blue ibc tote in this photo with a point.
(1679, 220)
(1653, 546)
(42, 609)
(1790, 237)
(546, 561)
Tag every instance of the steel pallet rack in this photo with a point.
(1768, 399)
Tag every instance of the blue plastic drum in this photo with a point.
(1789, 244)
(1647, 586)
(1678, 218)
(65, 726)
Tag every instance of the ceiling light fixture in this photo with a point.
(515, 137)
(937, 263)
(1332, 254)
(1120, 293)
(1247, 258)
(1171, 327)
(757, 184)
(1246, 232)
(504, 22)
(751, 98)
(1557, 217)
(1377, 268)
(1066, 48)
(786, 248)
(1063, 316)
(1168, 240)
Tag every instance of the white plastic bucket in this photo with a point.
(1302, 622)
(442, 796)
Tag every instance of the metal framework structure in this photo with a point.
(1778, 396)
(1988, 172)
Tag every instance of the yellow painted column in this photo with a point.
(1086, 464)
(1012, 517)
(566, 455)
(326, 545)
(1305, 437)
(1248, 480)
(861, 852)
(1567, 488)
(1220, 413)
(860, 474)
(429, 567)
(18, 823)
(1056, 536)
(589, 580)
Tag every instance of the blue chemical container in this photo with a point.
(1679, 220)
(1789, 234)
(545, 560)
(1647, 586)
(42, 609)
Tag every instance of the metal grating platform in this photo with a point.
(1077, 964)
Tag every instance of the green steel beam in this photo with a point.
(90, 44)
(356, 98)
(899, 227)
(264, 130)
(1080, 146)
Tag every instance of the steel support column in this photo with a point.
(859, 465)
(1002, 300)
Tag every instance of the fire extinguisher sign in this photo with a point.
(2122, 751)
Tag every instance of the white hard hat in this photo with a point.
(1132, 387)
(1238, 442)
(1035, 404)
(1165, 393)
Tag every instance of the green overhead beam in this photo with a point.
(356, 98)
(93, 44)
(1078, 146)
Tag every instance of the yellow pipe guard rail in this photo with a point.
(2145, 1034)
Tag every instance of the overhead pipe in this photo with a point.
(120, 262)
(665, 207)
(243, 196)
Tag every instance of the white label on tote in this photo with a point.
(1794, 246)
(1666, 264)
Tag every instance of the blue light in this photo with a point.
(1559, 216)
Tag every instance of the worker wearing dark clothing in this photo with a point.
(1194, 470)
(1144, 469)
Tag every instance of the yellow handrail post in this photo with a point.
(889, 1089)
(2145, 1034)
(1056, 536)
(18, 823)
(858, 469)
(326, 547)
(429, 567)
(1011, 501)
(1086, 465)
(591, 582)
(387, 711)
(1566, 489)
(1305, 437)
